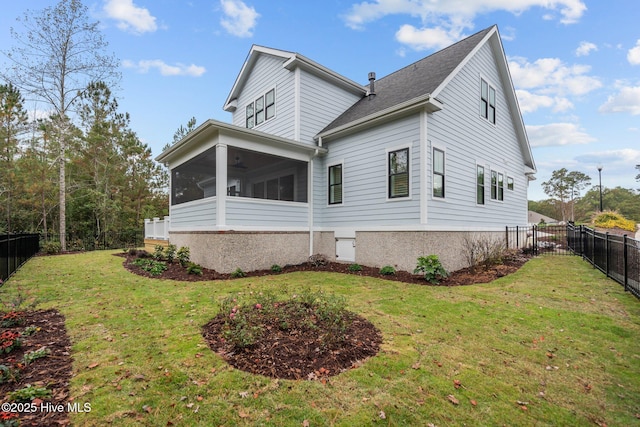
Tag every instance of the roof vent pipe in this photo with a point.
(372, 78)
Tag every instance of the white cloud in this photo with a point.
(426, 38)
(448, 19)
(634, 54)
(530, 102)
(130, 17)
(613, 159)
(627, 100)
(239, 19)
(549, 83)
(555, 134)
(586, 48)
(144, 66)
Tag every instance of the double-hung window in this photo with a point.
(438, 173)
(398, 164)
(480, 185)
(335, 184)
(497, 186)
(261, 110)
(487, 101)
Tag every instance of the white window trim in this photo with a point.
(329, 205)
(386, 173)
(444, 150)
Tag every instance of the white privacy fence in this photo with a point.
(156, 228)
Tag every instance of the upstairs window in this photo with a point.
(480, 185)
(261, 110)
(398, 163)
(487, 101)
(250, 121)
(270, 104)
(438, 173)
(335, 184)
(509, 183)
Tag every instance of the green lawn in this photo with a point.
(554, 344)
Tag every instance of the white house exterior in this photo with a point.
(380, 174)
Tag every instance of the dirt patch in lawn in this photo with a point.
(52, 371)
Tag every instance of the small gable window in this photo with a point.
(487, 101)
(398, 162)
(261, 110)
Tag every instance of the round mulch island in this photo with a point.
(296, 348)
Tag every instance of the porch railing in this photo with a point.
(156, 228)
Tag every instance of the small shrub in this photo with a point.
(9, 419)
(612, 219)
(387, 270)
(483, 250)
(275, 268)
(194, 268)
(155, 268)
(11, 318)
(8, 374)
(9, 340)
(29, 357)
(28, 393)
(354, 268)
(52, 248)
(170, 253)
(30, 330)
(184, 256)
(318, 260)
(158, 252)
(238, 273)
(431, 268)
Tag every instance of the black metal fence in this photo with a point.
(536, 239)
(15, 250)
(616, 256)
(89, 242)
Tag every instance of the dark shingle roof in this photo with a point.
(415, 80)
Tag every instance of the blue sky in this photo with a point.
(575, 64)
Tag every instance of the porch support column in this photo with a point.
(221, 185)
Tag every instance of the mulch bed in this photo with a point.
(299, 352)
(53, 371)
(462, 277)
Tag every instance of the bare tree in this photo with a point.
(55, 57)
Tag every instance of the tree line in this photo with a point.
(566, 202)
(76, 168)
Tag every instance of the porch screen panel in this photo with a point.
(194, 179)
(264, 176)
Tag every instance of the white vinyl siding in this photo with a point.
(471, 140)
(320, 103)
(266, 213)
(267, 75)
(365, 201)
(199, 214)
